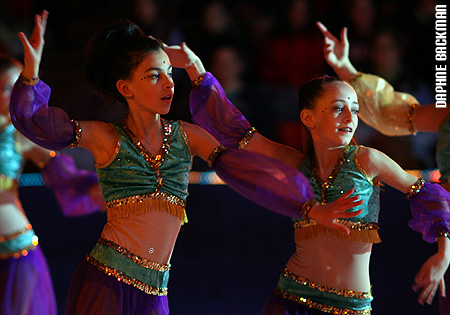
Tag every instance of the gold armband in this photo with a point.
(442, 234)
(77, 134)
(246, 139)
(27, 81)
(215, 154)
(197, 82)
(415, 188)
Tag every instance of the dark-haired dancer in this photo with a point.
(143, 165)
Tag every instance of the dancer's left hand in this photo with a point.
(430, 277)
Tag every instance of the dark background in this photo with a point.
(229, 256)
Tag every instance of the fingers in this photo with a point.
(442, 288)
(322, 28)
(427, 290)
(23, 38)
(344, 38)
(346, 194)
(325, 32)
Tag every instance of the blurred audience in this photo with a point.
(260, 51)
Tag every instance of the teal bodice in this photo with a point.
(349, 176)
(131, 174)
(10, 157)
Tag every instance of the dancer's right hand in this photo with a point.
(34, 46)
(326, 214)
(336, 53)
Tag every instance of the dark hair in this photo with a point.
(312, 90)
(7, 62)
(114, 53)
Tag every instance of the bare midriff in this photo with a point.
(151, 235)
(12, 216)
(333, 262)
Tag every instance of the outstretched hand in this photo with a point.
(430, 278)
(327, 214)
(336, 52)
(183, 57)
(34, 46)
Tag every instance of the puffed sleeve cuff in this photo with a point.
(211, 109)
(381, 107)
(430, 210)
(265, 181)
(72, 186)
(49, 127)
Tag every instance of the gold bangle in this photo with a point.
(411, 118)
(415, 188)
(197, 82)
(215, 154)
(77, 134)
(246, 139)
(26, 81)
(306, 208)
(442, 234)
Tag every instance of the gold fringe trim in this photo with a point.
(323, 288)
(319, 306)
(15, 235)
(135, 258)
(126, 279)
(23, 252)
(357, 234)
(135, 205)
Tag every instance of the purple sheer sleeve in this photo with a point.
(49, 127)
(211, 109)
(431, 211)
(77, 191)
(265, 181)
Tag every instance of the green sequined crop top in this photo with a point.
(349, 174)
(136, 182)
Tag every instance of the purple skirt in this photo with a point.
(91, 291)
(26, 285)
(276, 305)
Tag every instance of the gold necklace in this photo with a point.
(154, 161)
(324, 185)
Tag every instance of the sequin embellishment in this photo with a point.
(324, 185)
(157, 160)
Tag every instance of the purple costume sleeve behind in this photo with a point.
(72, 187)
(211, 109)
(49, 127)
(265, 181)
(431, 211)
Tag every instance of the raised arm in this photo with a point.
(390, 112)
(49, 128)
(430, 207)
(211, 109)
